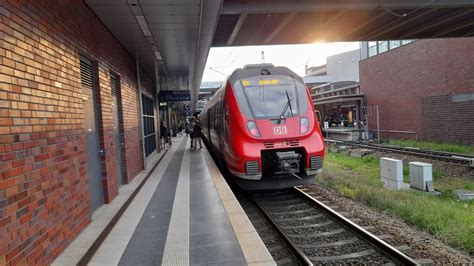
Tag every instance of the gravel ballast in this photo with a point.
(422, 245)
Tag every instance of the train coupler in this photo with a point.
(288, 162)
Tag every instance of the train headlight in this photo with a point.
(304, 125)
(252, 127)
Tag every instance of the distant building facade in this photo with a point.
(334, 89)
(340, 67)
(424, 90)
(206, 91)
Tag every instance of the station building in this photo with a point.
(424, 89)
(68, 89)
(79, 107)
(334, 88)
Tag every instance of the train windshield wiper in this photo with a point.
(288, 104)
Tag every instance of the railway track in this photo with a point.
(435, 155)
(320, 235)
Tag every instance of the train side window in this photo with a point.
(239, 94)
(301, 90)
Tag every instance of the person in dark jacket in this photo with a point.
(197, 134)
(191, 128)
(163, 133)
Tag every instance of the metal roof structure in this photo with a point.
(257, 22)
(170, 39)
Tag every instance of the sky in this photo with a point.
(223, 60)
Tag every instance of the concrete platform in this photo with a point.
(185, 214)
(342, 133)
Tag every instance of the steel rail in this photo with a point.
(437, 155)
(298, 253)
(382, 245)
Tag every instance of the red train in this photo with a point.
(261, 123)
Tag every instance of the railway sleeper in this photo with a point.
(332, 244)
(355, 220)
(354, 255)
(330, 233)
(276, 248)
(286, 261)
(304, 204)
(308, 226)
(292, 212)
(299, 219)
(425, 262)
(383, 237)
(402, 248)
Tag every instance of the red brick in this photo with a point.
(41, 122)
(7, 183)
(6, 139)
(5, 130)
(17, 146)
(13, 253)
(6, 121)
(18, 163)
(412, 86)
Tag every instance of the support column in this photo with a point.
(157, 109)
(140, 110)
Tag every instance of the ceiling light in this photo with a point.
(158, 56)
(143, 25)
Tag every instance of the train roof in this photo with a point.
(252, 70)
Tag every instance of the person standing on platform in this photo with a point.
(191, 128)
(197, 135)
(186, 128)
(163, 134)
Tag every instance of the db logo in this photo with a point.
(280, 130)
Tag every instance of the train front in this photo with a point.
(274, 139)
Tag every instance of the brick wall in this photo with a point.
(44, 198)
(445, 119)
(398, 80)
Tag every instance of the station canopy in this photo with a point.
(171, 38)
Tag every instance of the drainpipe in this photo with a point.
(140, 114)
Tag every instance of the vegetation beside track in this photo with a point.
(434, 146)
(450, 220)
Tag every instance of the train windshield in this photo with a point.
(273, 96)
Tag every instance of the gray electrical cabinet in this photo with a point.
(420, 174)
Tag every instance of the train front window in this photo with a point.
(267, 96)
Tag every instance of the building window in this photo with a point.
(383, 46)
(462, 97)
(379, 47)
(394, 44)
(372, 48)
(148, 125)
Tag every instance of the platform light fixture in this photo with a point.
(143, 25)
(158, 55)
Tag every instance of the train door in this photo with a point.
(208, 120)
(221, 125)
(94, 171)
